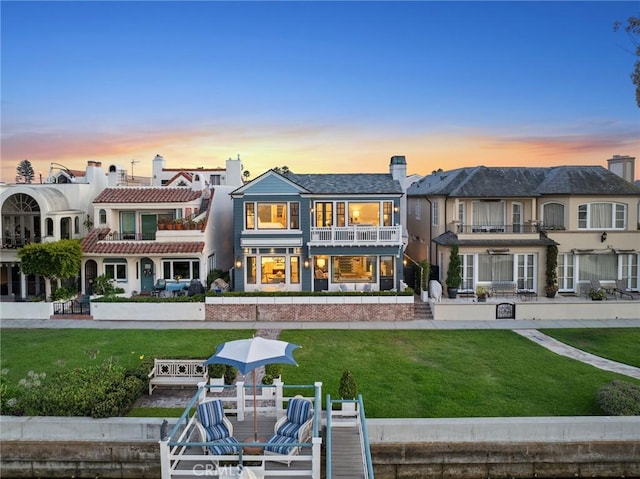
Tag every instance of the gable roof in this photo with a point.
(146, 194)
(92, 244)
(504, 182)
(185, 175)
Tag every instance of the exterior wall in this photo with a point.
(24, 310)
(462, 448)
(541, 309)
(308, 308)
(151, 311)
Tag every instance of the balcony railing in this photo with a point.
(356, 235)
(473, 229)
(116, 236)
(17, 241)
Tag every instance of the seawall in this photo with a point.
(557, 447)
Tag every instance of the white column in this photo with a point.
(23, 285)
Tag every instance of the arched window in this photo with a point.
(76, 226)
(553, 216)
(103, 217)
(48, 226)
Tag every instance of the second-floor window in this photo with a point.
(602, 216)
(553, 216)
(434, 213)
(102, 217)
(488, 215)
(269, 216)
(128, 224)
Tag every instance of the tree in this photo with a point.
(454, 272)
(633, 30)
(246, 175)
(24, 172)
(57, 260)
(283, 170)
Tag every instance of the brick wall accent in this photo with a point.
(309, 312)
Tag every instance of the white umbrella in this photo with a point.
(248, 354)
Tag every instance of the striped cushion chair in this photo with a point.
(294, 427)
(215, 428)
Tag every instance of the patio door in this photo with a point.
(566, 279)
(149, 225)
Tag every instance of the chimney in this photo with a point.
(398, 168)
(623, 166)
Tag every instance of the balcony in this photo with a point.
(116, 236)
(356, 235)
(510, 229)
(17, 241)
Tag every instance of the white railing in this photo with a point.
(182, 452)
(356, 235)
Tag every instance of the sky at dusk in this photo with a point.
(317, 86)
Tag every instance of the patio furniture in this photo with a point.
(596, 285)
(161, 285)
(293, 428)
(215, 428)
(177, 372)
(621, 289)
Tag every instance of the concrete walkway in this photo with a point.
(577, 354)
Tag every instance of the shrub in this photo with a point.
(217, 370)
(230, 375)
(267, 379)
(619, 398)
(274, 370)
(64, 293)
(347, 388)
(96, 391)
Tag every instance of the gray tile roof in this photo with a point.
(504, 182)
(348, 183)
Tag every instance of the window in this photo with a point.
(526, 272)
(629, 270)
(324, 214)
(597, 266)
(417, 204)
(488, 215)
(495, 267)
(461, 214)
(116, 269)
(294, 268)
(48, 226)
(354, 269)
(102, 217)
(272, 216)
(467, 272)
(434, 213)
(602, 216)
(516, 217)
(251, 270)
(214, 179)
(553, 216)
(566, 280)
(387, 213)
(273, 269)
(76, 225)
(128, 224)
(364, 214)
(181, 269)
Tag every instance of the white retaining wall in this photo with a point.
(148, 311)
(40, 310)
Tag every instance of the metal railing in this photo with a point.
(17, 241)
(356, 235)
(116, 236)
(72, 307)
(480, 229)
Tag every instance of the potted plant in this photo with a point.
(201, 224)
(216, 377)
(191, 224)
(551, 281)
(454, 277)
(348, 389)
(178, 224)
(481, 293)
(597, 294)
(162, 224)
(425, 271)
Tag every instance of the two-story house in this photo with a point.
(320, 232)
(502, 220)
(144, 234)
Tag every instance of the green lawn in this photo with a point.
(617, 344)
(399, 373)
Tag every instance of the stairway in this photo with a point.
(421, 310)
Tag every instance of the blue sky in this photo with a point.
(316, 86)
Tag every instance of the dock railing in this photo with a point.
(184, 454)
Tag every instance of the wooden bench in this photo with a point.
(503, 288)
(177, 372)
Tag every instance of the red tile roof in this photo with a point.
(145, 194)
(187, 176)
(92, 244)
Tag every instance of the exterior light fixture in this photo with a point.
(306, 263)
(603, 237)
(238, 263)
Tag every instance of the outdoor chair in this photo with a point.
(161, 285)
(215, 428)
(295, 427)
(621, 289)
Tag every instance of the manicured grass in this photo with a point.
(448, 373)
(617, 344)
(399, 373)
(53, 350)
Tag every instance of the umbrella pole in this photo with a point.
(255, 410)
